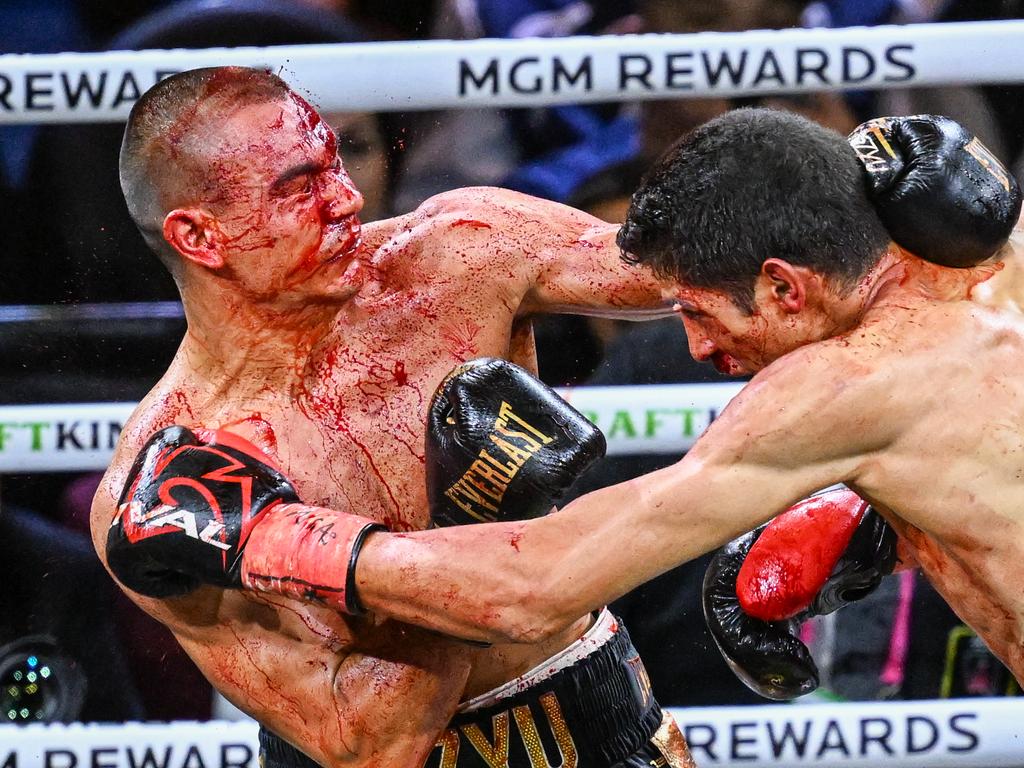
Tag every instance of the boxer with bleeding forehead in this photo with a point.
(315, 343)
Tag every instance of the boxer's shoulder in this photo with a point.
(506, 208)
(819, 404)
(481, 201)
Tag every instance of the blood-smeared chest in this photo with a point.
(364, 406)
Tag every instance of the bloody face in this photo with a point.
(286, 209)
(735, 341)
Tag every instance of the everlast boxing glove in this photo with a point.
(501, 445)
(195, 510)
(939, 191)
(821, 554)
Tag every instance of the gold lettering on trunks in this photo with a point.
(988, 161)
(481, 488)
(495, 755)
(531, 738)
(449, 744)
(640, 673)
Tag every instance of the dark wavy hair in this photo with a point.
(748, 186)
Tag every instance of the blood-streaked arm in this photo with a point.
(567, 261)
(346, 692)
(796, 428)
(384, 706)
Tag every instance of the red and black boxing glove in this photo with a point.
(208, 507)
(938, 190)
(502, 445)
(821, 554)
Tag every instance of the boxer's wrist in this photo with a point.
(308, 553)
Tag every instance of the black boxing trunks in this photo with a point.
(589, 706)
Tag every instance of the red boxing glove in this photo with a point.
(795, 555)
(821, 554)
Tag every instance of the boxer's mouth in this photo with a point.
(343, 240)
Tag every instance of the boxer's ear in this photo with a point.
(788, 284)
(193, 233)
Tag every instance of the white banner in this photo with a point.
(662, 418)
(966, 733)
(931, 734)
(67, 437)
(441, 74)
(80, 437)
(216, 744)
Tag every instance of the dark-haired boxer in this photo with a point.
(320, 341)
(873, 368)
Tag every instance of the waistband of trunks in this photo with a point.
(601, 708)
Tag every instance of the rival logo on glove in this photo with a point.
(140, 524)
(485, 482)
(168, 517)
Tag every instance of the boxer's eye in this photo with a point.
(299, 185)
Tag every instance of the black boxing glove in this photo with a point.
(823, 553)
(195, 509)
(938, 190)
(767, 657)
(501, 445)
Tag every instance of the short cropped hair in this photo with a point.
(747, 186)
(161, 149)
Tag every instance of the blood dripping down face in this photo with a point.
(286, 210)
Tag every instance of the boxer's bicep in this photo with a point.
(583, 273)
(568, 260)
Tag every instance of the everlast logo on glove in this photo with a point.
(501, 445)
(483, 485)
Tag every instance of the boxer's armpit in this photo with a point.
(905, 559)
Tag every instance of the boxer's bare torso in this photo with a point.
(949, 477)
(920, 409)
(341, 409)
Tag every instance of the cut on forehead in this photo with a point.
(194, 100)
(159, 146)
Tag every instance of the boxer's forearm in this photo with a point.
(522, 582)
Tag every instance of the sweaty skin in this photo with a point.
(918, 406)
(321, 341)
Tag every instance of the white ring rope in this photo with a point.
(965, 733)
(442, 74)
(80, 437)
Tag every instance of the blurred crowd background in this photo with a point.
(78, 322)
